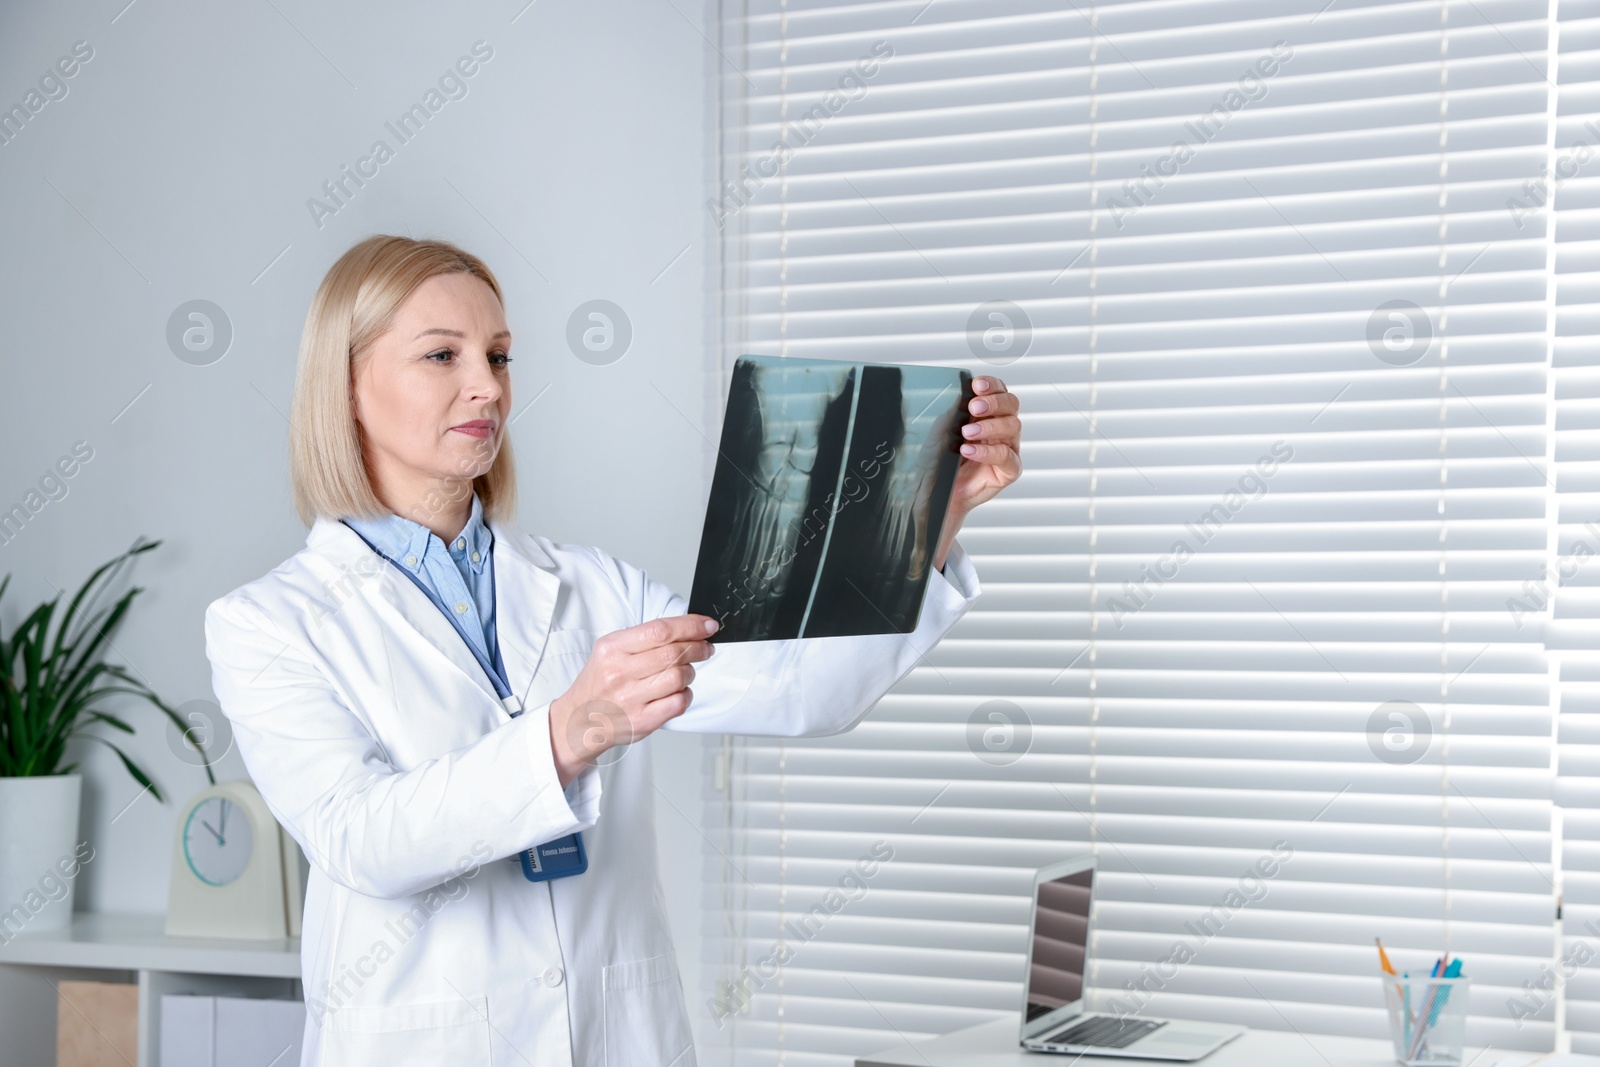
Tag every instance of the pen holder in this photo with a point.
(1427, 1018)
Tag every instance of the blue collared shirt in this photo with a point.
(461, 574)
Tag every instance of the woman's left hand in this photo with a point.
(990, 458)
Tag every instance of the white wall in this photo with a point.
(178, 166)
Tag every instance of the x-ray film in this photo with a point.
(829, 496)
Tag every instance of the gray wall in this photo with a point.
(178, 166)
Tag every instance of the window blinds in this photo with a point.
(1572, 586)
(1270, 283)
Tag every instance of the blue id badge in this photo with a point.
(555, 859)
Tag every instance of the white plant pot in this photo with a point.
(40, 854)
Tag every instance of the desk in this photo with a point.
(995, 1045)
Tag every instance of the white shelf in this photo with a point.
(139, 943)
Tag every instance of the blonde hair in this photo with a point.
(354, 305)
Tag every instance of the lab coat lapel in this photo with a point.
(526, 592)
(398, 600)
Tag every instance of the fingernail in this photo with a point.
(711, 626)
(969, 450)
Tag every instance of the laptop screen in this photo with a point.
(1060, 938)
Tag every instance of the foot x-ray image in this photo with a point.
(829, 496)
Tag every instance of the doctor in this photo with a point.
(424, 693)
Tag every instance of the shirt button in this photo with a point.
(552, 976)
(476, 557)
(411, 561)
(461, 607)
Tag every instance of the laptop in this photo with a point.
(1053, 1019)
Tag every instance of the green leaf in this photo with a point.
(102, 635)
(110, 720)
(53, 677)
(132, 768)
(63, 720)
(115, 565)
(183, 729)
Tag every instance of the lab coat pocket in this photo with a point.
(645, 1021)
(454, 1032)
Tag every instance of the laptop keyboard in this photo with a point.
(1105, 1031)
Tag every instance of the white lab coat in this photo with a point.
(379, 743)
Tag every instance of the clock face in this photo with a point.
(217, 841)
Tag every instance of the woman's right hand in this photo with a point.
(635, 680)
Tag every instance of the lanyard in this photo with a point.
(496, 670)
(565, 856)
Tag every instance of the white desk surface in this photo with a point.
(995, 1045)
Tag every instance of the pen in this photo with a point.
(1428, 1012)
(1452, 971)
(1411, 1020)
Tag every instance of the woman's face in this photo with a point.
(433, 392)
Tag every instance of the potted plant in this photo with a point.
(54, 683)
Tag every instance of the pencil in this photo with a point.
(1383, 957)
